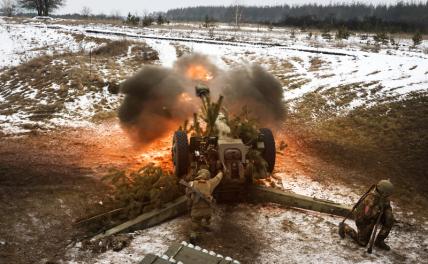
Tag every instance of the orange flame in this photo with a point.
(185, 98)
(198, 73)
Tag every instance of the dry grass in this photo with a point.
(113, 48)
(78, 37)
(388, 140)
(316, 64)
(61, 78)
(181, 49)
(340, 44)
(297, 59)
(291, 82)
(278, 67)
(144, 52)
(299, 83)
(88, 21)
(371, 48)
(284, 72)
(342, 95)
(138, 53)
(42, 72)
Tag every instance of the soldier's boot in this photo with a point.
(195, 230)
(387, 223)
(382, 245)
(193, 238)
(345, 229)
(383, 234)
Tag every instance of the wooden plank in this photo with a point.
(173, 250)
(153, 259)
(256, 194)
(155, 217)
(193, 256)
(107, 214)
(270, 195)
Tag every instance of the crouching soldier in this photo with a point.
(199, 193)
(376, 203)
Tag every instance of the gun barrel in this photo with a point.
(202, 91)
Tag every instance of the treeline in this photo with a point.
(83, 16)
(76, 16)
(405, 17)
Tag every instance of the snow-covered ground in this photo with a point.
(284, 235)
(391, 74)
(21, 42)
(269, 233)
(302, 65)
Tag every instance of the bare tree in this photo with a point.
(238, 13)
(43, 7)
(115, 14)
(86, 11)
(50, 5)
(8, 7)
(32, 4)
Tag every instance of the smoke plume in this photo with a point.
(158, 99)
(253, 87)
(154, 103)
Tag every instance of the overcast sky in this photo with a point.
(140, 6)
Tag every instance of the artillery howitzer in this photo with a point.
(214, 151)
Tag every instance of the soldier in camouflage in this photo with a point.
(201, 210)
(366, 214)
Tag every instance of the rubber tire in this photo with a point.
(180, 153)
(269, 154)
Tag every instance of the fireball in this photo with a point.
(198, 73)
(185, 98)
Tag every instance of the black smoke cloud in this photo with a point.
(253, 87)
(154, 102)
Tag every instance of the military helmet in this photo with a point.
(385, 187)
(203, 174)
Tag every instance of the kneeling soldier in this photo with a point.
(366, 215)
(201, 200)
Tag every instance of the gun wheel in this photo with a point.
(180, 153)
(269, 153)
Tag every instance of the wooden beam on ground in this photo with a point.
(270, 195)
(155, 217)
(256, 194)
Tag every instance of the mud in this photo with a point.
(47, 181)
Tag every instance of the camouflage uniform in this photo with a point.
(365, 216)
(201, 211)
